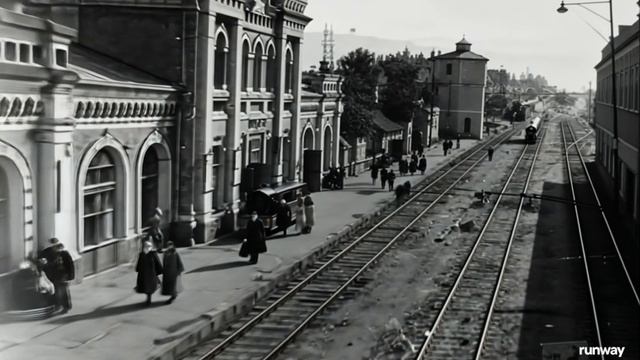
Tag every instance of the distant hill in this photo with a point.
(312, 46)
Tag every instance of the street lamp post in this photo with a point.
(614, 97)
(433, 96)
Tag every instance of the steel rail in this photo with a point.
(256, 319)
(507, 252)
(581, 238)
(429, 333)
(391, 242)
(606, 220)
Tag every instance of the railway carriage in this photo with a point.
(531, 131)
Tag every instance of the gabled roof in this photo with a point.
(383, 123)
(95, 68)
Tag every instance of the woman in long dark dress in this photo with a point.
(172, 269)
(148, 268)
(255, 238)
(283, 218)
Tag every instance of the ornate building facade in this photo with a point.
(109, 110)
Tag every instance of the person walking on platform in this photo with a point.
(458, 142)
(445, 147)
(300, 220)
(391, 177)
(384, 174)
(172, 269)
(148, 269)
(256, 243)
(413, 166)
(490, 153)
(422, 165)
(309, 210)
(374, 174)
(403, 166)
(58, 266)
(283, 217)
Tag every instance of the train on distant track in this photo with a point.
(531, 131)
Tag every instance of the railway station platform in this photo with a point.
(109, 320)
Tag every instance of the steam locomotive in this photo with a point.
(531, 131)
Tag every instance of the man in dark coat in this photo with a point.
(403, 167)
(148, 268)
(391, 177)
(423, 164)
(413, 167)
(60, 270)
(255, 238)
(490, 153)
(414, 156)
(383, 177)
(374, 174)
(171, 269)
(283, 217)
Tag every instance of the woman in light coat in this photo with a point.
(309, 213)
(300, 221)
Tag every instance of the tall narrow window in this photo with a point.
(5, 223)
(257, 68)
(271, 69)
(10, 52)
(220, 71)
(289, 72)
(255, 151)
(149, 190)
(25, 53)
(245, 66)
(215, 175)
(99, 203)
(449, 69)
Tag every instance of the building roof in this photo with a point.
(626, 35)
(95, 68)
(383, 123)
(463, 55)
(345, 144)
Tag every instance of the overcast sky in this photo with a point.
(514, 33)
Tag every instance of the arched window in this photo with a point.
(289, 73)
(245, 66)
(257, 68)
(149, 188)
(327, 151)
(271, 69)
(307, 141)
(99, 199)
(220, 71)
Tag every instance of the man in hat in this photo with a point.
(155, 231)
(255, 238)
(58, 266)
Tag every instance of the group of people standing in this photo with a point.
(255, 242)
(404, 167)
(413, 165)
(149, 267)
(334, 180)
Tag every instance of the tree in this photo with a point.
(402, 90)
(360, 73)
(496, 104)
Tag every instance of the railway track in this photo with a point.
(613, 297)
(458, 327)
(275, 321)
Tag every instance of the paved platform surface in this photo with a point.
(109, 321)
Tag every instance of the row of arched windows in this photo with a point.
(259, 67)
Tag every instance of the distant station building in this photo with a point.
(460, 78)
(627, 57)
(111, 109)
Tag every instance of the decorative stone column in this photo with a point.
(54, 180)
(232, 137)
